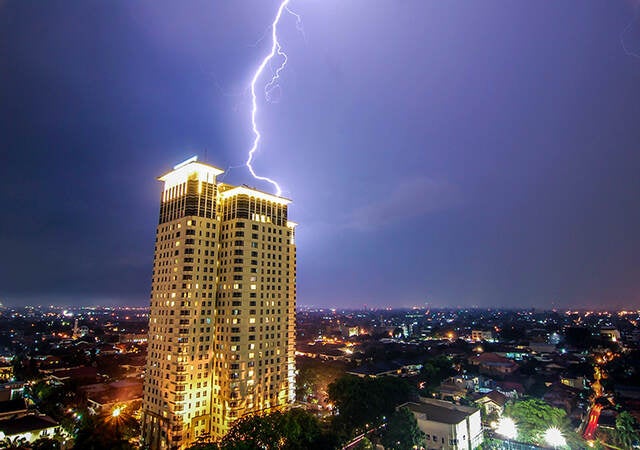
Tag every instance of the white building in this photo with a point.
(610, 333)
(29, 427)
(481, 335)
(447, 426)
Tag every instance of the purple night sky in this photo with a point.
(452, 152)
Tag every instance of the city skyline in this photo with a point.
(477, 155)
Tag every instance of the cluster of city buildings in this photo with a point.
(103, 355)
(497, 356)
(72, 348)
(222, 335)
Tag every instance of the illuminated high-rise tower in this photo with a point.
(222, 318)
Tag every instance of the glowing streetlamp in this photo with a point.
(115, 414)
(554, 437)
(507, 428)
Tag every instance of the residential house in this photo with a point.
(493, 402)
(447, 426)
(493, 364)
(30, 427)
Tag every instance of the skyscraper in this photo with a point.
(222, 318)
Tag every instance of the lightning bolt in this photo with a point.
(626, 30)
(276, 50)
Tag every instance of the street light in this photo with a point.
(507, 428)
(115, 414)
(554, 437)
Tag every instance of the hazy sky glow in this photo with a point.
(458, 153)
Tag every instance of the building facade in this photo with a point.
(481, 335)
(447, 426)
(222, 317)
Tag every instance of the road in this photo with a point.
(592, 424)
(355, 441)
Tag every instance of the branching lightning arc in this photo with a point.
(276, 50)
(626, 29)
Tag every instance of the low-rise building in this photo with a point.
(574, 381)
(458, 386)
(610, 334)
(493, 402)
(511, 389)
(105, 397)
(493, 364)
(401, 368)
(11, 391)
(77, 375)
(6, 372)
(447, 426)
(377, 369)
(542, 347)
(137, 338)
(12, 408)
(481, 335)
(47, 361)
(30, 427)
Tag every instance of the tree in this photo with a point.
(252, 432)
(23, 369)
(306, 381)
(295, 429)
(362, 402)
(204, 442)
(488, 416)
(434, 371)
(48, 398)
(364, 444)
(124, 424)
(17, 443)
(45, 444)
(100, 433)
(626, 431)
(579, 337)
(298, 429)
(533, 417)
(314, 377)
(402, 431)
